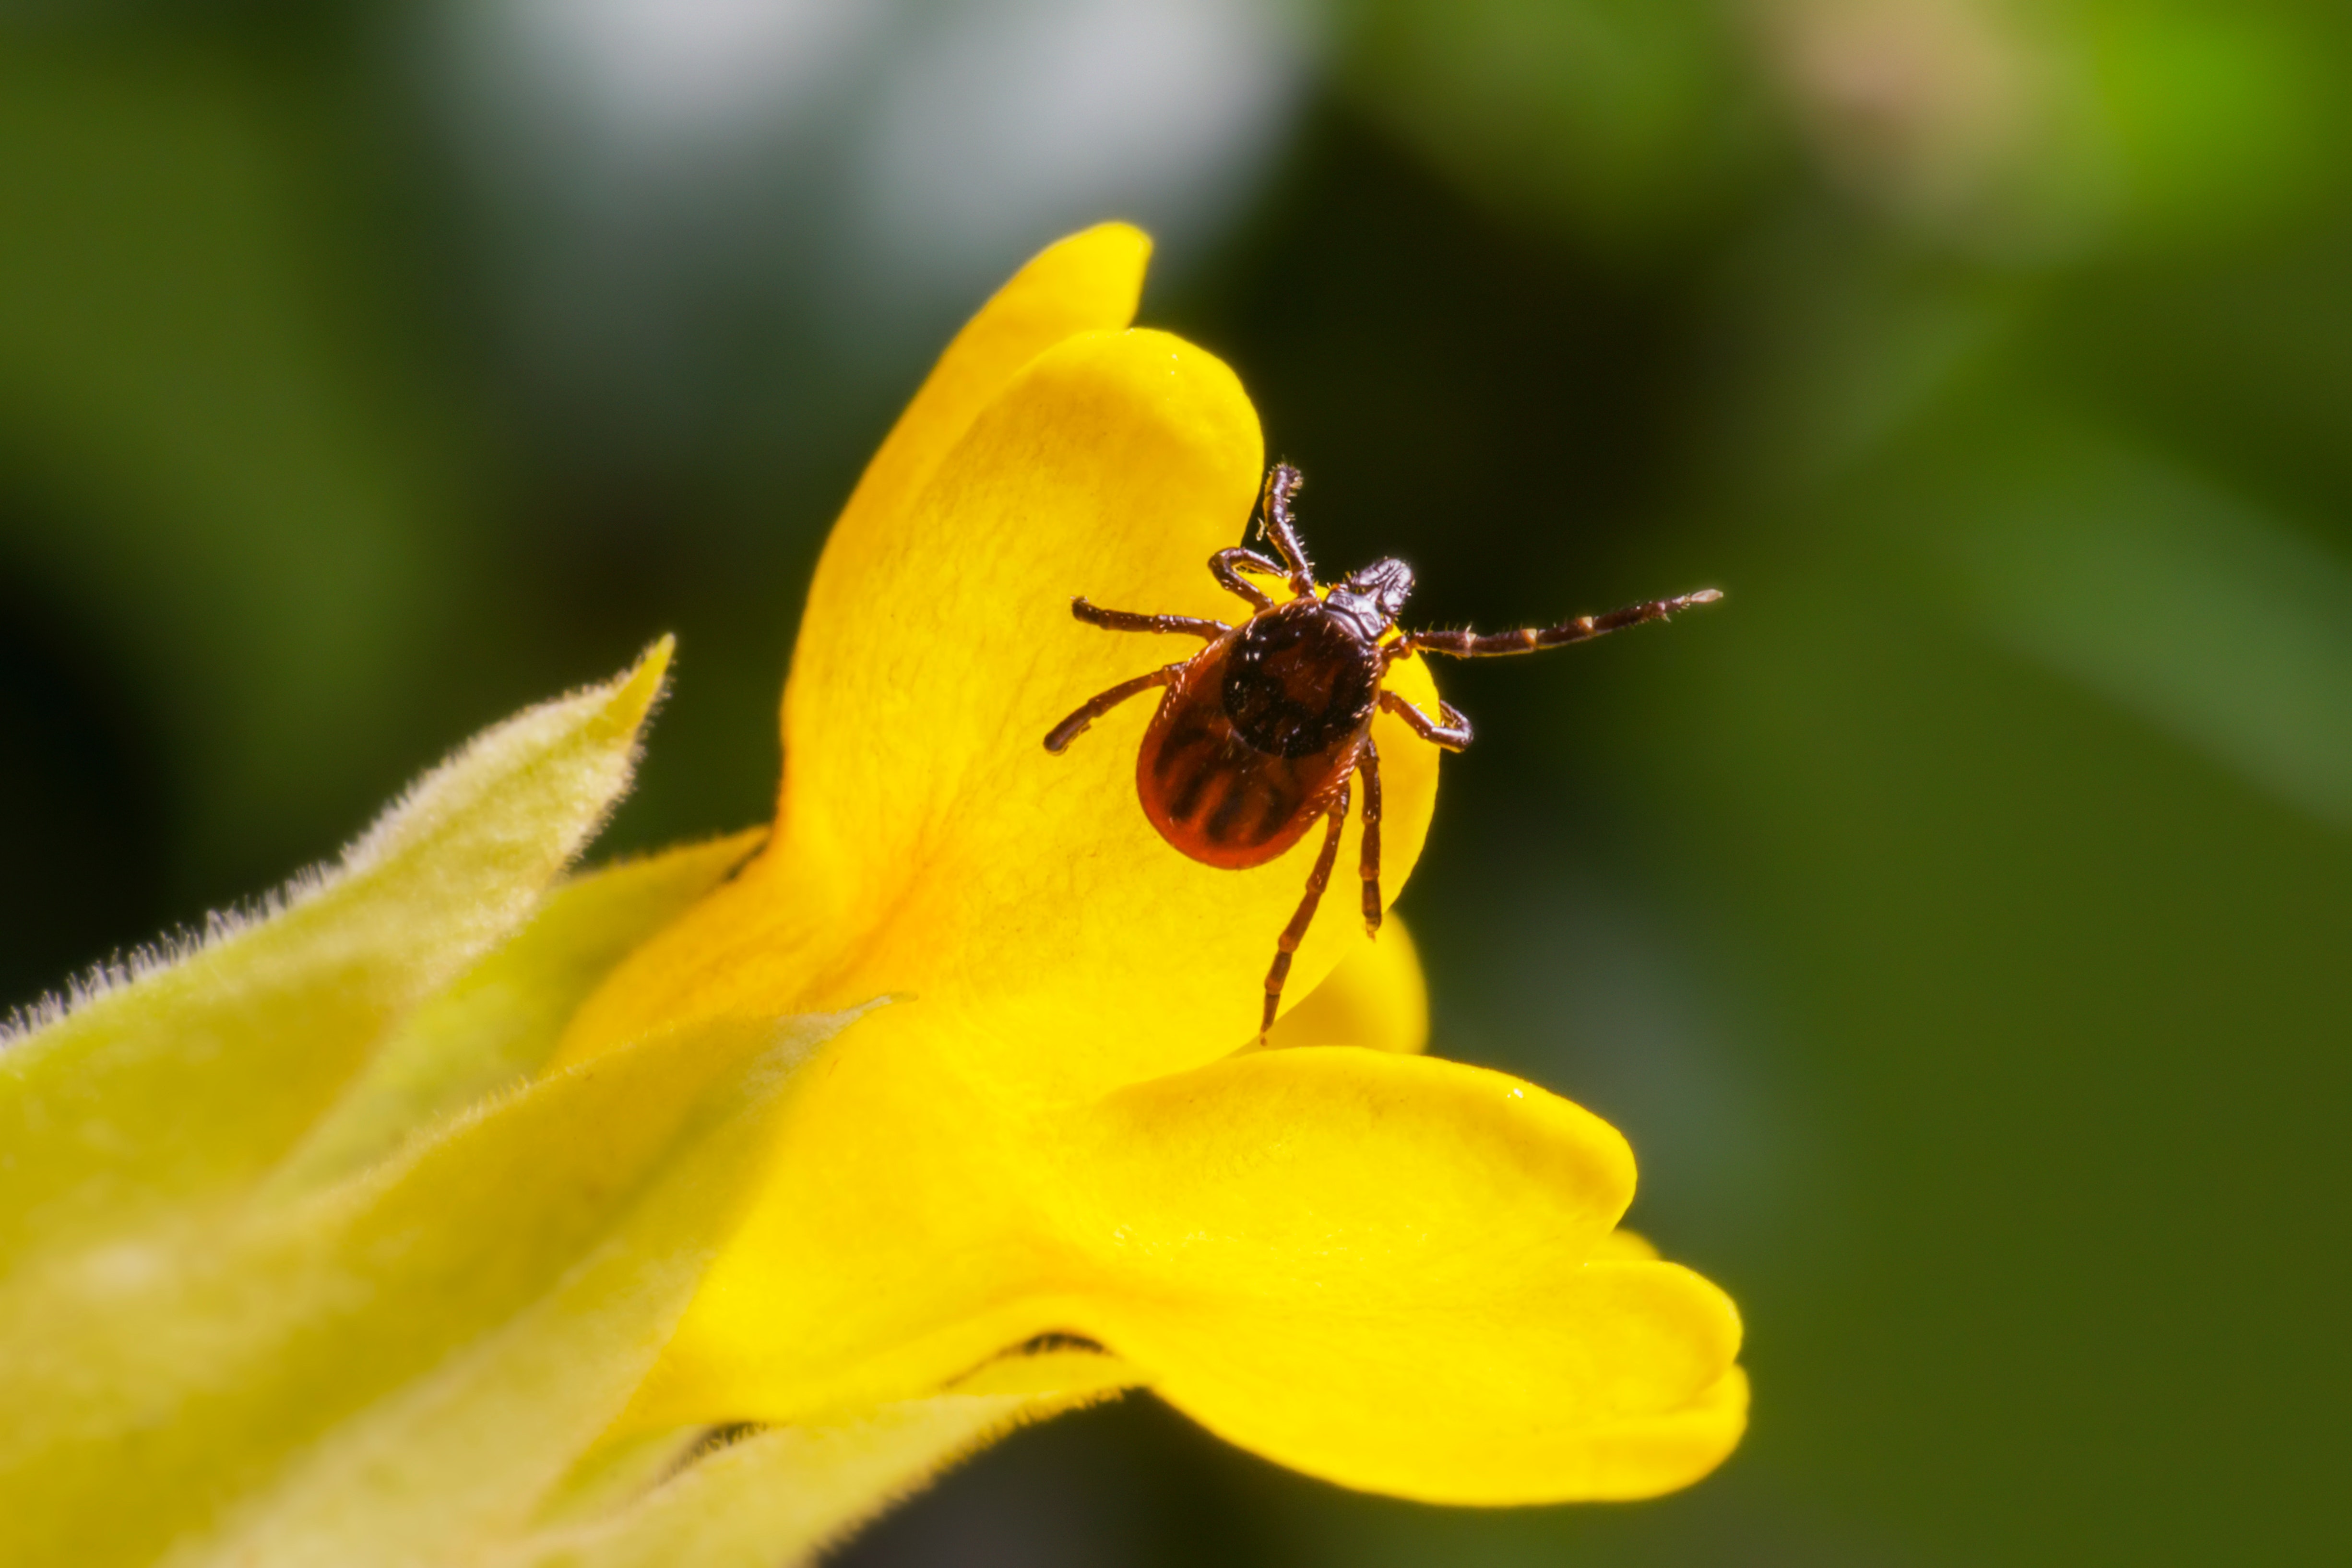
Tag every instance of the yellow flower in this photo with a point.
(1393, 1272)
(451, 1209)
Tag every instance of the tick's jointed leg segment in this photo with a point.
(1527, 639)
(1454, 734)
(1295, 933)
(1282, 482)
(1368, 765)
(1228, 565)
(1129, 621)
(1071, 728)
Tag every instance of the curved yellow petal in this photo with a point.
(1397, 1273)
(1622, 1245)
(1376, 998)
(1379, 1270)
(1344, 1175)
(1043, 933)
(1596, 1389)
(1089, 282)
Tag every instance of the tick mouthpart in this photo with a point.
(1388, 583)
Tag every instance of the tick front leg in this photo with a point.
(1071, 728)
(1369, 765)
(1527, 639)
(1227, 565)
(1129, 621)
(1454, 734)
(1282, 482)
(1295, 933)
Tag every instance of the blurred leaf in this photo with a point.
(2062, 1005)
(2171, 597)
(1619, 118)
(194, 450)
(2211, 116)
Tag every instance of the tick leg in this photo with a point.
(1129, 621)
(1454, 734)
(1367, 764)
(1295, 931)
(1071, 728)
(1228, 564)
(1282, 482)
(1527, 639)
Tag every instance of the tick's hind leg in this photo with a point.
(1367, 764)
(1295, 933)
(1129, 621)
(1071, 728)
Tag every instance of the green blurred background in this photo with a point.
(1955, 919)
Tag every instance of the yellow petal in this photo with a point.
(193, 1079)
(1050, 1365)
(1378, 1270)
(1042, 932)
(1393, 1272)
(890, 1254)
(1087, 283)
(1622, 1245)
(1383, 1179)
(1582, 1393)
(1376, 998)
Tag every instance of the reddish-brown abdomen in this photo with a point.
(1216, 797)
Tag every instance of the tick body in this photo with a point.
(1258, 734)
(1266, 730)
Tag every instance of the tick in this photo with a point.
(1263, 730)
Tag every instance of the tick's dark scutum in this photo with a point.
(1254, 741)
(1300, 679)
